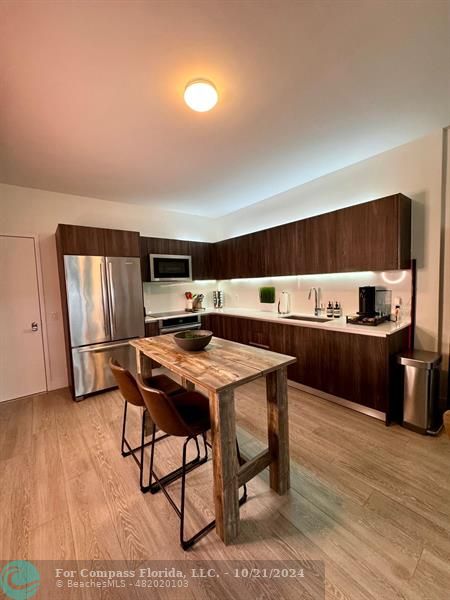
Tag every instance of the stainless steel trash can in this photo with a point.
(421, 406)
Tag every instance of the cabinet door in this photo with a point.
(121, 243)
(208, 322)
(225, 252)
(258, 334)
(145, 261)
(201, 260)
(214, 323)
(242, 257)
(251, 255)
(307, 346)
(151, 329)
(316, 245)
(280, 248)
(359, 367)
(349, 366)
(80, 241)
(168, 246)
(375, 236)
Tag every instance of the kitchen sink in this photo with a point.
(305, 318)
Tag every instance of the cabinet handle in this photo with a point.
(263, 346)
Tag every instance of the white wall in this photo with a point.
(414, 169)
(30, 211)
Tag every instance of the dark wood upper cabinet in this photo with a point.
(316, 245)
(78, 240)
(202, 260)
(145, 263)
(168, 246)
(281, 250)
(255, 254)
(374, 236)
(121, 243)
(226, 264)
(95, 241)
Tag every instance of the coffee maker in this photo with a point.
(374, 306)
(367, 301)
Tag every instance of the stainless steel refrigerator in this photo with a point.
(106, 309)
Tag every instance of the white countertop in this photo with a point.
(382, 330)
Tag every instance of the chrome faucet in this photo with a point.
(316, 299)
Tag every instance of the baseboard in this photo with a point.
(371, 412)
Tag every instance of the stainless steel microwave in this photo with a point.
(170, 267)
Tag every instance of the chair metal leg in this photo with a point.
(186, 544)
(133, 451)
(154, 488)
(184, 469)
(124, 424)
(141, 464)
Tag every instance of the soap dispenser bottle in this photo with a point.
(337, 310)
(330, 310)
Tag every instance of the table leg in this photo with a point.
(143, 364)
(187, 384)
(278, 429)
(225, 464)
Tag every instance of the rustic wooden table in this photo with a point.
(219, 369)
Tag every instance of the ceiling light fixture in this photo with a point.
(200, 95)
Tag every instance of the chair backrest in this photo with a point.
(162, 410)
(127, 383)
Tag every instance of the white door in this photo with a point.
(22, 370)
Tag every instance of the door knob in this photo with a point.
(34, 326)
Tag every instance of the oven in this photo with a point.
(174, 324)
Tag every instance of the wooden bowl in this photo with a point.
(193, 340)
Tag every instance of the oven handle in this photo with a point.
(176, 328)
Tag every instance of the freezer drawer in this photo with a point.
(91, 369)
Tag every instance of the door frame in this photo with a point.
(41, 299)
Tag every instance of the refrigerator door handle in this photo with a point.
(102, 347)
(112, 300)
(104, 299)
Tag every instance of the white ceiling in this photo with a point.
(91, 94)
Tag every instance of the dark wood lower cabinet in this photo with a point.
(151, 329)
(359, 368)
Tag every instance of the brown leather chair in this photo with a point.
(183, 415)
(131, 394)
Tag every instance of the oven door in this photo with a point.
(170, 267)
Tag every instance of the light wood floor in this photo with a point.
(372, 502)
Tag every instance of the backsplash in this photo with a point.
(162, 297)
(343, 287)
(244, 293)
